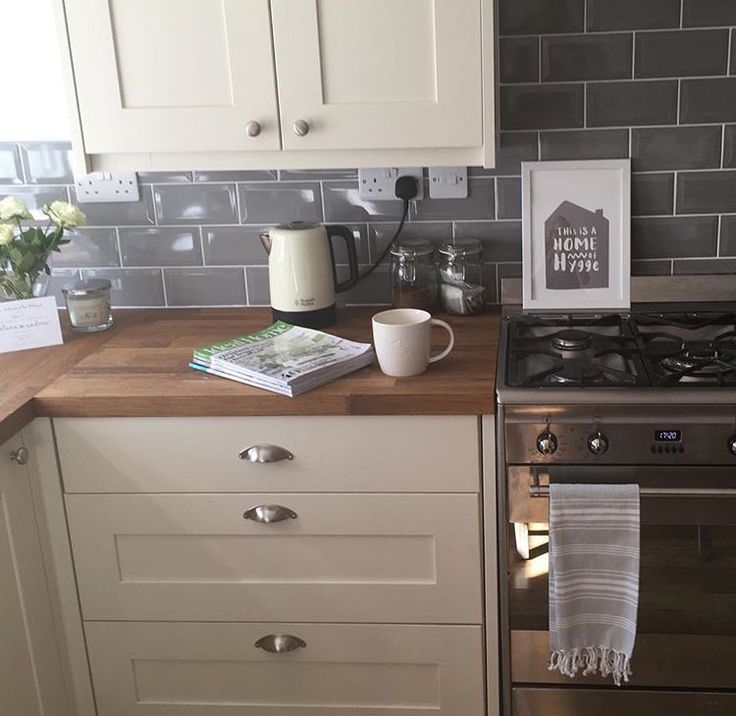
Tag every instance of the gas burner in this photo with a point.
(700, 362)
(572, 340)
(578, 372)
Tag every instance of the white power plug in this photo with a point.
(107, 187)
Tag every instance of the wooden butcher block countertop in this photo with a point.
(139, 368)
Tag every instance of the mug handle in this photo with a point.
(446, 352)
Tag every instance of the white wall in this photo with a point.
(33, 103)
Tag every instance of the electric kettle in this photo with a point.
(302, 274)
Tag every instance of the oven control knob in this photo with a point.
(732, 445)
(598, 443)
(547, 443)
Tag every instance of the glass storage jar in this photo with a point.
(88, 303)
(414, 278)
(462, 288)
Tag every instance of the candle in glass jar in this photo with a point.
(88, 303)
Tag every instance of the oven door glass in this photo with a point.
(687, 603)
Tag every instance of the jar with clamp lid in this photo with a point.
(414, 278)
(462, 288)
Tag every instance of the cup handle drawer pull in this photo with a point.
(265, 453)
(280, 643)
(266, 514)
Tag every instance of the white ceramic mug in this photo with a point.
(402, 339)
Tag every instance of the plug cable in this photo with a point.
(405, 189)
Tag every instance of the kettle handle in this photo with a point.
(344, 233)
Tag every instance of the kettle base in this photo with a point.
(321, 318)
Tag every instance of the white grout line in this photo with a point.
(679, 96)
(729, 67)
(633, 57)
(718, 236)
(682, 12)
(245, 282)
(674, 194)
(723, 146)
(163, 283)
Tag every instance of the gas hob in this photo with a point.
(642, 357)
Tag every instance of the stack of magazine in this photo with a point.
(283, 358)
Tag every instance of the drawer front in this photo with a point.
(176, 669)
(353, 558)
(330, 454)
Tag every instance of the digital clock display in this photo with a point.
(668, 436)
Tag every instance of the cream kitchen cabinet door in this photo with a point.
(179, 669)
(380, 74)
(173, 75)
(31, 682)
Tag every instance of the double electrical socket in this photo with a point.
(379, 184)
(444, 182)
(107, 187)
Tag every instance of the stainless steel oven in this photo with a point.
(683, 460)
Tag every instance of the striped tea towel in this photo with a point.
(593, 578)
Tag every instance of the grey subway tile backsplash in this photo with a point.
(278, 203)
(129, 213)
(47, 162)
(532, 17)
(579, 79)
(653, 267)
(163, 246)
(230, 176)
(11, 171)
(681, 53)
(708, 13)
(164, 177)
(586, 57)
(132, 287)
(259, 293)
(632, 14)
(372, 290)
(705, 266)
(344, 205)
(547, 106)
(221, 286)
(89, 247)
(36, 196)
(676, 148)
(478, 205)
(630, 103)
(706, 192)
(585, 144)
(673, 237)
(233, 245)
(519, 59)
(196, 204)
(652, 194)
(509, 197)
(708, 100)
(728, 236)
(501, 239)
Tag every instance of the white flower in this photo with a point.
(7, 232)
(64, 215)
(12, 208)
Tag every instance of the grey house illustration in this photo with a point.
(576, 248)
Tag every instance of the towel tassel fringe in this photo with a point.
(589, 660)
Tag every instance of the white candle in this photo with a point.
(85, 311)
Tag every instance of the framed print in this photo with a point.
(576, 235)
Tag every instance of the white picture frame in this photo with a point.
(576, 235)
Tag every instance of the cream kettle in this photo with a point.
(302, 273)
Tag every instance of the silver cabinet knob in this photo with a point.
(547, 443)
(266, 514)
(280, 643)
(301, 128)
(253, 128)
(19, 456)
(598, 443)
(732, 445)
(265, 453)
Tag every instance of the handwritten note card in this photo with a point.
(29, 324)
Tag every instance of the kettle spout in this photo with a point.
(265, 237)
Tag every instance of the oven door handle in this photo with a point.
(537, 489)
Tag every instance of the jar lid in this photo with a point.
(411, 248)
(462, 247)
(83, 288)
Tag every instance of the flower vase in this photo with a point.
(17, 287)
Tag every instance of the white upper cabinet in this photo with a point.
(238, 84)
(379, 74)
(174, 75)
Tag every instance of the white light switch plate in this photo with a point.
(380, 184)
(448, 182)
(107, 186)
